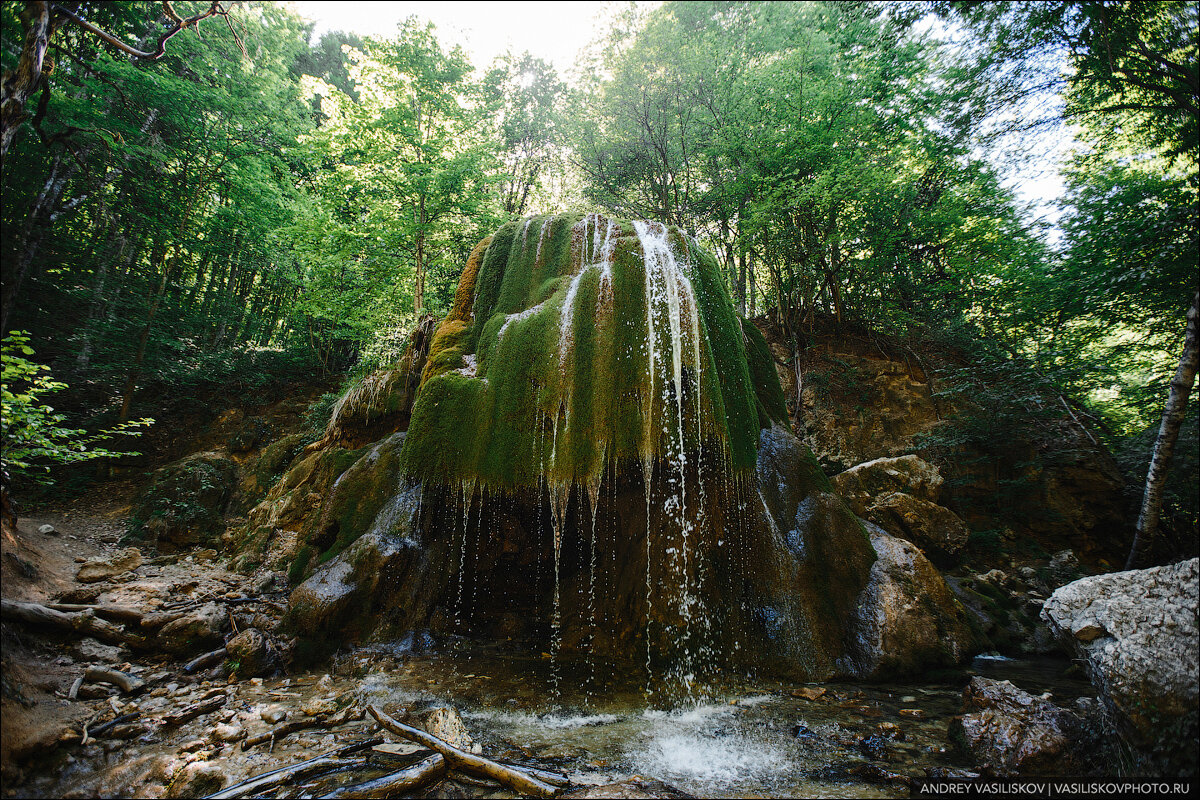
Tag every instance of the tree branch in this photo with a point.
(180, 24)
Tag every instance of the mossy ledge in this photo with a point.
(577, 342)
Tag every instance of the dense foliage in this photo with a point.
(257, 202)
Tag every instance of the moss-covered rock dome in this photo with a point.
(576, 342)
(598, 465)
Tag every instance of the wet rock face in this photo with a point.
(1009, 733)
(185, 504)
(1136, 633)
(906, 618)
(856, 403)
(821, 555)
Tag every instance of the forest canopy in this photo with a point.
(258, 201)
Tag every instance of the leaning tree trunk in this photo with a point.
(1168, 432)
(23, 80)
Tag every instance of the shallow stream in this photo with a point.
(745, 738)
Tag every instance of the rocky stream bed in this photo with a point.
(190, 727)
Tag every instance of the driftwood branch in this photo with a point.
(326, 762)
(84, 622)
(125, 682)
(198, 709)
(119, 613)
(206, 660)
(513, 778)
(396, 784)
(100, 730)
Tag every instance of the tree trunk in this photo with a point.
(18, 84)
(32, 233)
(1168, 433)
(419, 293)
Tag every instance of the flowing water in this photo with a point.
(749, 738)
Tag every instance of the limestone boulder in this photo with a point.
(102, 568)
(935, 529)
(906, 619)
(336, 601)
(1136, 634)
(184, 505)
(807, 593)
(1008, 733)
(252, 651)
(862, 484)
(195, 632)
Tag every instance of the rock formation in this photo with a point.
(1136, 633)
(1009, 733)
(906, 619)
(858, 397)
(597, 450)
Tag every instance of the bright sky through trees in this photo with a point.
(557, 32)
(551, 31)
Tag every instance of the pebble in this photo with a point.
(273, 715)
(47, 530)
(227, 733)
(913, 713)
(318, 705)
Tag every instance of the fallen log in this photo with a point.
(515, 779)
(546, 776)
(199, 709)
(396, 784)
(120, 613)
(82, 622)
(206, 660)
(327, 762)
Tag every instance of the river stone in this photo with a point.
(252, 650)
(104, 567)
(195, 631)
(906, 619)
(88, 649)
(1136, 634)
(447, 724)
(197, 779)
(931, 527)
(861, 484)
(273, 714)
(1008, 732)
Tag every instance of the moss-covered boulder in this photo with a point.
(279, 526)
(184, 505)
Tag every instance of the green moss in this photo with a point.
(772, 407)
(562, 384)
(299, 565)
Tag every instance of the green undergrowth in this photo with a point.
(510, 399)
